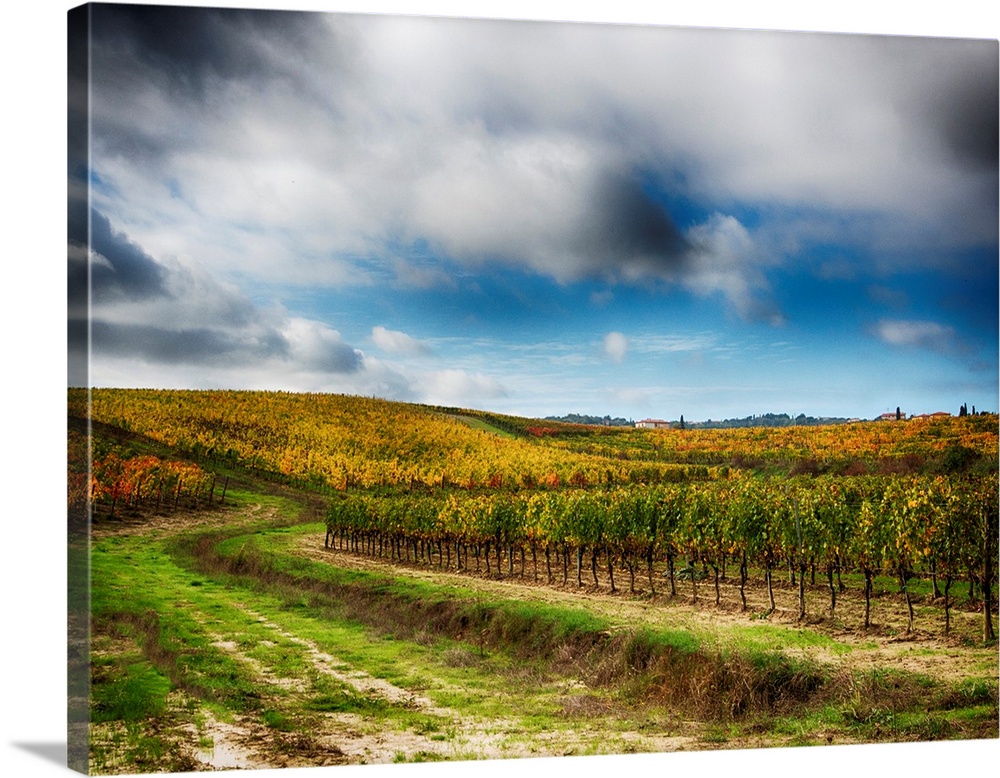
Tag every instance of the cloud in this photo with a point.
(167, 313)
(616, 346)
(114, 267)
(668, 344)
(726, 259)
(183, 345)
(399, 343)
(189, 54)
(602, 298)
(962, 112)
(458, 387)
(361, 135)
(884, 295)
(411, 274)
(628, 232)
(927, 335)
(314, 346)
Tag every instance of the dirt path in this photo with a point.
(359, 680)
(205, 740)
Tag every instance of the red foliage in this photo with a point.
(542, 432)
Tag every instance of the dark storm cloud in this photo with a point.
(129, 272)
(190, 47)
(121, 271)
(217, 347)
(968, 115)
(118, 268)
(78, 94)
(165, 76)
(195, 346)
(210, 347)
(173, 315)
(336, 358)
(627, 224)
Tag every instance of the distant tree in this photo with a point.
(898, 414)
(963, 411)
(682, 421)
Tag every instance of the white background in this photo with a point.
(32, 431)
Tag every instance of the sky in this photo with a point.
(538, 218)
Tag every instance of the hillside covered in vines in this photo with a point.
(449, 486)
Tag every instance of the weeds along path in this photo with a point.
(196, 671)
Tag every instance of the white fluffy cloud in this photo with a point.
(399, 343)
(459, 387)
(726, 259)
(616, 346)
(927, 335)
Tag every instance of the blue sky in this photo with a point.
(541, 218)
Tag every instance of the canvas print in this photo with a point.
(452, 389)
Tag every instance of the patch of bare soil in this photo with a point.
(219, 745)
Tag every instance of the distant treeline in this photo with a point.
(767, 420)
(763, 420)
(580, 418)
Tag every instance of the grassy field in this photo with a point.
(231, 638)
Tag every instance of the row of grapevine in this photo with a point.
(131, 483)
(941, 528)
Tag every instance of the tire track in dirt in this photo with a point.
(359, 680)
(469, 739)
(229, 749)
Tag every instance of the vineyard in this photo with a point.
(682, 577)
(112, 478)
(482, 492)
(905, 527)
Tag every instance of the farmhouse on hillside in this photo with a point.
(935, 415)
(653, 424)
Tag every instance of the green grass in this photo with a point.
(480, 424)
(774, 637)
(128, 691)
